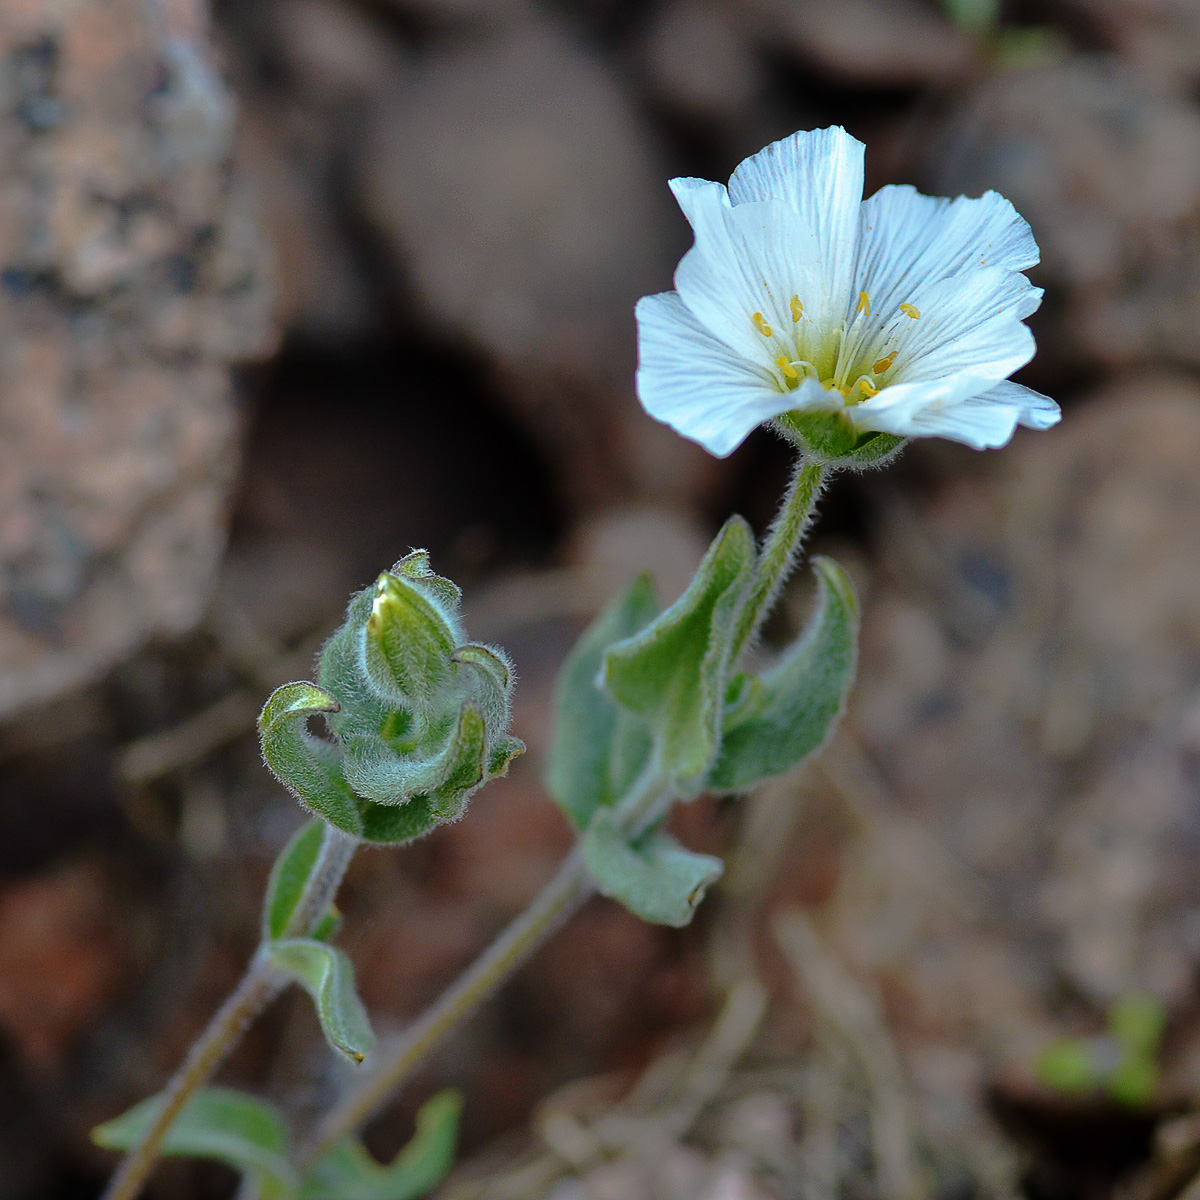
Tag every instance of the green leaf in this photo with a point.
(327, 975)
(770, 728)
(407, 644)
(654, 877)
(239, 1130)
(1069, 1066)
(289, 877)
(973, 16)
(1137, 1021)
(395, 824)
(307, 766)
(503, 753)
(350, 1173)
(583, 770)
(467, 761)
(673, 672)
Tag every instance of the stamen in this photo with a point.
(797, 309)
(911, 310)
(882, 364)
(786, 368)
(760, 323)
(867, 386)
(864, 304)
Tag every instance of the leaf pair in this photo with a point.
(249, 1135)
(643, 687)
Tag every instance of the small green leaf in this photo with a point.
(307, 766)
(674, 672)
(503, 753)
(328, 976)
(467, 761)
(973, 16)
(415, 565)
(1134, 1081)
(655, 877)
(395, 824)
(350, 1173)
(598, 748)
(245, 1133)
(327, 925)
(1069, 1066)
(770, 729)
(1137, 1021)
(289, 877)
(407, 644)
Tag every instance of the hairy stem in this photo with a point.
(258, 987)
(780, 550)
(566, 891)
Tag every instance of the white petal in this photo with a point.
(934, 410)
(908, 240)
(747, 259)
(1036, 411)
(695, 383)
(819, 174)
(970, 323)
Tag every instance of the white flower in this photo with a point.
(904, 312)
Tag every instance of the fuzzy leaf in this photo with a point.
(350, 1173)
(771, 728)
(245, 1133)
(406, 644)
(289, 877)
(307, 766)
(598, 748)
(673, 672)
(654, 877)
(395, 824)
(327, 975)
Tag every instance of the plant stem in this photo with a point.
(258, 987)
(562, 896)
(779, 551)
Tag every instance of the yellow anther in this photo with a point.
(882, 364)
(869, 389)
(911, 310)
(786, 368)
(864, 304)
(797, 308)
(760, 323)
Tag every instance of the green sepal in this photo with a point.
(673, 672)
(598, 749)
(831, 438)
(289, 877)
(327, 975)
(406, 644)
(468, 761)
(241, 1131)
(654, 877)
(415, 565)
(327, 925)
(395, 824)
(503, 753)
(350, 1173)
(307, 766)
(770, 728)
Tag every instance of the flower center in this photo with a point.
(855, 360)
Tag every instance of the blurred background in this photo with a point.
(288, 287)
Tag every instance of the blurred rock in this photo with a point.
(518, 193)
(1028, 686)
(61, 959)
(882, 43)
(1161, 38)
(1107, 171)
(131, 276)
(700, 61)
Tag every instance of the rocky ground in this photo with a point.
(289, 287)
